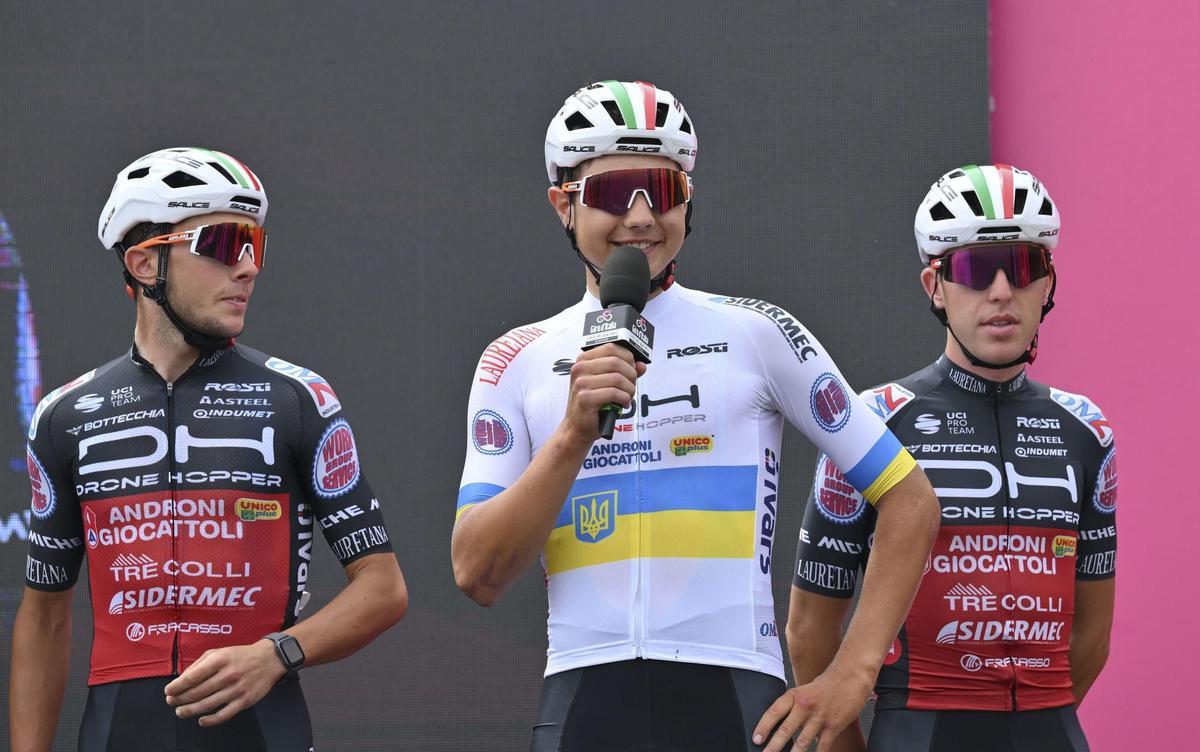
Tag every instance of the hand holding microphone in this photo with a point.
(624, 288)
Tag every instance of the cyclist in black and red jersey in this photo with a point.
(1011, 624)
(191, 471)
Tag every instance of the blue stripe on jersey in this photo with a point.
(874, 462)
(473, 493)
(714, 488)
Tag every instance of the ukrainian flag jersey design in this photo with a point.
(662, 549)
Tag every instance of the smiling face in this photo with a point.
(598, 233)
(997, 324)
(208, 295)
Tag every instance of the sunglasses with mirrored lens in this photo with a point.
(975, 266)
(616, 190)
(227, 243)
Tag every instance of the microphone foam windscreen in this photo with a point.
(625, 279)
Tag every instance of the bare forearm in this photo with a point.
(814, 631)
(495, 543)
(40, 664)
(372, 601)
(905, 530)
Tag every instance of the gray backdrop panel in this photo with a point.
(402, 147)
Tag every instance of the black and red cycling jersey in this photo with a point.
(195, 502)
(1027, 479)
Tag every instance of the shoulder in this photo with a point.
(519, 345)
(309, 383)
(766, 324)
(49, 403)
(890, 399)
(1082, 409)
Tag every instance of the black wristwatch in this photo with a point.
(291, 655)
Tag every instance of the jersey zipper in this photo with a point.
(639, 594)
(174, 521)
(1008, 501)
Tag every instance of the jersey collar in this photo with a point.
(969, 382)
(654, 307)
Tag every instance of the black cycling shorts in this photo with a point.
(653, 706)
(133, 716)
(1049, 730)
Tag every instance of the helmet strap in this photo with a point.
(158, 293)
(1028, 356)
(662, 281)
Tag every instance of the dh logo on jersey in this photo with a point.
(830, 403)
(595, 516)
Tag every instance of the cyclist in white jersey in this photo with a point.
(657, 544)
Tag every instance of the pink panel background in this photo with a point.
(1100, 100)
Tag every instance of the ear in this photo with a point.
(933, 290)
(142, 264)
(561, 201)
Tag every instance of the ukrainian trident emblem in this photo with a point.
(595, 515)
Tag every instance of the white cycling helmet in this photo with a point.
(171, 185)
(987, 204)
(619, 117)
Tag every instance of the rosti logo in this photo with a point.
(336, 467)
(830, 403)
(1064, 545)
(42, 501)
(836, 498)
(258, 509)
(685, 445)
(490, 433)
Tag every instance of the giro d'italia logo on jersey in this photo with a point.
(1105, 498)
(335, 465)
(42, 501)
(830, 402)
(836, 499)
(490, 433)
(595, 516)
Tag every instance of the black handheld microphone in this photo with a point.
(624, 287)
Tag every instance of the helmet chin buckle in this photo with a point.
(158, 293)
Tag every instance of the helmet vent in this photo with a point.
(686, 126)
(578, 122)
(998, 230)
(223, 171)
(639, 140)
(956, 174)
(1019, 200)
(141, 172)
(614, 111)
(973, 202)
(180, 179)
(939, 212)
(660, 115)
(247, 200)
(1047, 208)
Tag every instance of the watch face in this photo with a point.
(292, 652)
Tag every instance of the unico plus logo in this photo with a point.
(681, 446)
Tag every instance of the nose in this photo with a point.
(1001, 288)
(245, 270)
(640, 214)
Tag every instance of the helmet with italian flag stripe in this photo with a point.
(619, 117)
(170, 185)
(987, 204)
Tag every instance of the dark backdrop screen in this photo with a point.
(402, 147)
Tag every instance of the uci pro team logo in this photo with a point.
(830, 402)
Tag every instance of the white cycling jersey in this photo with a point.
(662, 549)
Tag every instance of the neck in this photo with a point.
(162, 345)
(960, 359)
(594, 288)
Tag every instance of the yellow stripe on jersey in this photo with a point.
(896, 471)
(673, 533)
